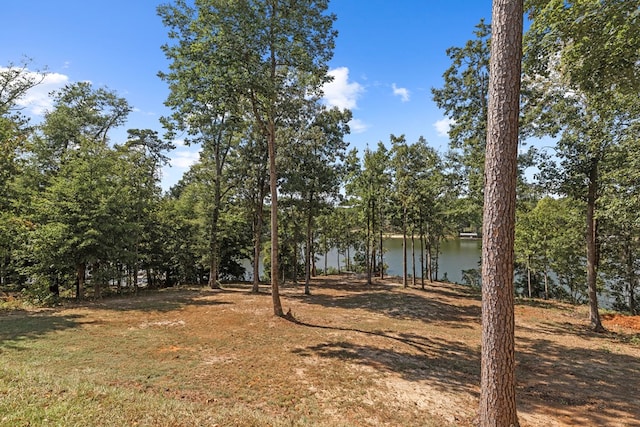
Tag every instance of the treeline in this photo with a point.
(277, 185)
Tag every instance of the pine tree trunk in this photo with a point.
(429, 263)
(405, 281)
(497, 388)
(413, 258)
(421, 258)
(381, 248)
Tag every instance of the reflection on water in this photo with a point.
(455, 255)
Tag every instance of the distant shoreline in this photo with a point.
(399, 236)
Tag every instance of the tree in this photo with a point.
(316, 169)
(74, 159)
(140, 160)
(15, 81)
(369, 184)
(274, 54)
(464, 99)
(206, 104)
(497, 389)
(550, 239)
(584, 56)
(620, 222)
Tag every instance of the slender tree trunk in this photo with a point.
(307, 264)
(368, 249)
(257, 246)
(632, 277)
(413, 258)
(421, 258)
(546, 284)
(429, 262)
(381, 248)
(258, 226)
(435, 260)
(80, 269)
(314, 270)
(348, 259)
(213, 262)
(592, 250)
(295, 257)
(405, 281)
(529, 278)
(497, 388)
(326, 261)
(273, 185)
(97, 291)
(373, 259)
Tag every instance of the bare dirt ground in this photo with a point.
(365, 355)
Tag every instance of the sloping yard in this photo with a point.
(354, 355)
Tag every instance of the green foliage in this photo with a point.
(550, 242)
(464, 99)
(596, 43)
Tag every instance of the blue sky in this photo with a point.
(388, 55)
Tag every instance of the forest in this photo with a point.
(83, 215)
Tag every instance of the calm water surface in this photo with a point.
(455, 255)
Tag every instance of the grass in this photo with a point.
(355, 355)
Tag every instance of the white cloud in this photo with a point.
(442, 126)
(357, 126)
(402, 92)
(179, 143)
(37, 100)
(340, 92)
(184, 159)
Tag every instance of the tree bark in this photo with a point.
(404, 248)
(422, 258)
(273, 185)
(413, 258)
(307, 255)
(380, 239)
(497, 388)
(80, 269)
(592, 250)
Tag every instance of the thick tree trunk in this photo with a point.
(592, 251)
(497, 391)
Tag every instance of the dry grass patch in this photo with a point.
(354, 355)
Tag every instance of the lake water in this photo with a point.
(455, 255)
